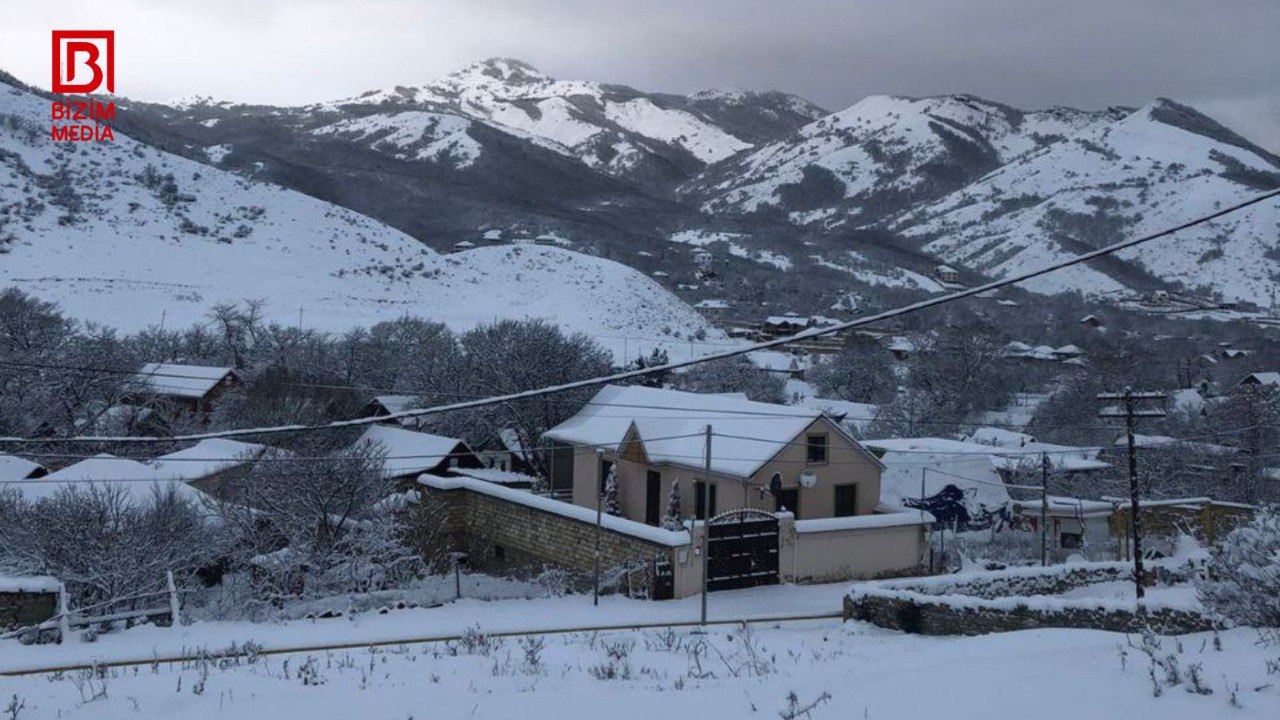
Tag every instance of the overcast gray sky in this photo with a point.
(1220, 55)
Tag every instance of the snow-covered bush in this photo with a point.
(104, 545)
(1244, 573)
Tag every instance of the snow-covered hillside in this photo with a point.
(610, 128)
(126, 235)
(880, 154)
(1161, 165)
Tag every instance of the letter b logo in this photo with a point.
(83, 60)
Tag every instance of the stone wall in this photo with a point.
(1000, 601)
(936, 615)
(502, 535)
(20, 609)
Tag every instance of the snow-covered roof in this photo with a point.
(852, 414)
(206, 458)
(1263, 378)
(1069, 350)
(789, 319)
(712, 304)
(139, 482)
(409, 452)
(937, 463)
(397, 403)
(1000, 437)
(13, 467)
(188, 381)
(671, 424)
(493, 475)
(1165, 441)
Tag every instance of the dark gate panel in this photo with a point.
(742, 550)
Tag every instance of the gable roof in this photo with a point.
(186, 381)
(13, 467)
(206, 458)
(139, 482)
(1262, 378)
(671, 424)
(396, 403)
(410, 452)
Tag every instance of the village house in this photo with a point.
(713, 309)
(1261, 379)
(409, 453)
(947, 275)
(383, 406)
(14, 468)
(209, 464)
(137, 482)
(191, 388)
(783, 459)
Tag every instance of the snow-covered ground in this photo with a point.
(849, 670)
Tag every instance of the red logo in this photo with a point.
(77, 53)
(83, 61)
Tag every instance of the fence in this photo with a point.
(58, 627)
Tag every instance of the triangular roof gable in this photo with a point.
(834, 426)
(633, 439)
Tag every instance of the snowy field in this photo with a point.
(849, 670)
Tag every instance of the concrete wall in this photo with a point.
(862, 554)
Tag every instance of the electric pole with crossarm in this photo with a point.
(1131, 412)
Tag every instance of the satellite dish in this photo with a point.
(808, 479)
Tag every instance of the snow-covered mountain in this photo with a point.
(880, 155)
(877, 194)
(1159, 166)
(614, 129)
(129, 236)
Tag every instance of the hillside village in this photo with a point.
(502, 394)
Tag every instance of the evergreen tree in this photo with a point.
(611, 504)
(671, 519)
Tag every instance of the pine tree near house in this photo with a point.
(671, 518)
(611, 504)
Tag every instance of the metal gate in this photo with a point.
(742, 550)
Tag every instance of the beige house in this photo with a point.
(793, 461)
(763, 456)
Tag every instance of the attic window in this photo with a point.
(816, 449)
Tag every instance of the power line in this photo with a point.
(669, 367)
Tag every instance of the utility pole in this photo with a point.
(595, 585)
(706, 517)
(1131, 412)
(1044, 509)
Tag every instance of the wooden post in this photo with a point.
(64, 614)
(174, 606)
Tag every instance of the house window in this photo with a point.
(846, 501)
(499, 552)
(816, 449)
(704, 501)
(788, 500)
(1070, 541)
